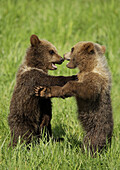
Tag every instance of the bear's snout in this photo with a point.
(62, 60)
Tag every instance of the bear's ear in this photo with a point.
(89, 47)
(34, 40)
(103, 49)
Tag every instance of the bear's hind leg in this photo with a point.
(45, 126)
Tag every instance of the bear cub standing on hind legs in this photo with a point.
(30, 114)
(92, 92)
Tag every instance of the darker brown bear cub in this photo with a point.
(30, 114)
(92, 92)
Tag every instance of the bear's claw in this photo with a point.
(38, 90)
(42, 91)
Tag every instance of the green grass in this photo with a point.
(63, 23)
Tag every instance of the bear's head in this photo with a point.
(84, 55)
(42, 54)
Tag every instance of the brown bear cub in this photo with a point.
(30, 114)
(92, 92)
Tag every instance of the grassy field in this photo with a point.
(63, 23)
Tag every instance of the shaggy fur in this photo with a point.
(30, 114)
(92, 92)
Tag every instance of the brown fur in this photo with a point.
(30, 114)
(92, 92)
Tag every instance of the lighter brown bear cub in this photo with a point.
(92, 93)
(30, 114)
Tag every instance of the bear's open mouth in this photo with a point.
(58, 62)
(54, 66)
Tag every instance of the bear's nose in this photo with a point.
(61, 60)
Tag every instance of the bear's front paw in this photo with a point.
(38, 90)
(42, 91)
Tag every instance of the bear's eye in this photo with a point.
(51, 52)
(72, 49)
(91, 52)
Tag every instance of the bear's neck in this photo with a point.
(87, 66)
(100, 67)
(25, 67)
(33, 64)
(31, 60)
(37, 67)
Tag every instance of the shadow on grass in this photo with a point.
(72, 140)
(75, 143)
(58, 131)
